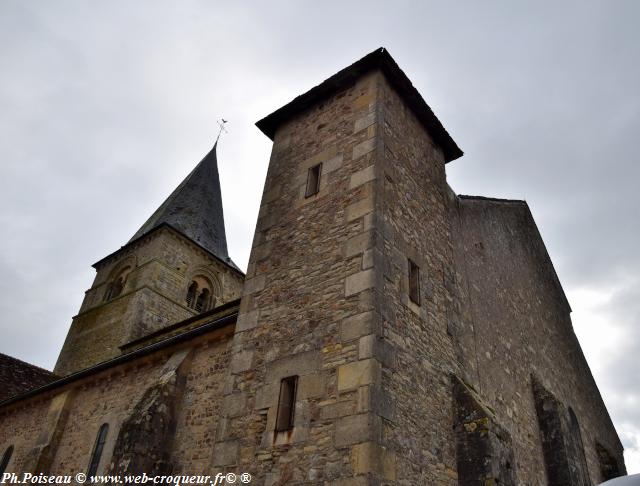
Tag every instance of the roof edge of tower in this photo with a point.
(378, 59)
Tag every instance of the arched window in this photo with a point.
(97, 450)
(202, 304)
(107, 293)
(6, 457)
(200, 295)
(191, 294)
(116, 286)
(583, 469)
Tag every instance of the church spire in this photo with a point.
(194, 208)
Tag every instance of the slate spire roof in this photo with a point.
(194, 208)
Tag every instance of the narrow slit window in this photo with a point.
(286, 404)
(97, 450)
(414, 282)
(313, 180)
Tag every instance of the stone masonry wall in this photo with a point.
(153, 297)
(412, 223)
(514, 324)
(111, 397)
(308, 308)
(20, 429)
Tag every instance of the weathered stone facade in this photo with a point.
(426, 334)
(163, 264)
(113, 396)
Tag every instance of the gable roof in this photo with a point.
(379, 59)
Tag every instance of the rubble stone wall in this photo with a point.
(186, 397)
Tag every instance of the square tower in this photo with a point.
(341, 361)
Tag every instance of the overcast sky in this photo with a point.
(106, 106)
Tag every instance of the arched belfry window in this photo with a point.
(116, 285)
(97, 450)
(200, 294)
(6, 457)
(203, 300)
(191, 293)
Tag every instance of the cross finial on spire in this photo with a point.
(221, 123)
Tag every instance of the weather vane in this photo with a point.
(221, 123)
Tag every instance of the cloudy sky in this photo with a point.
(106, 106)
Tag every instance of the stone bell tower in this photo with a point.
(341, 361)
(175, 266)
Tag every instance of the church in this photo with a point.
(387, 330)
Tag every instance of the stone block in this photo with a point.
(362, 177)
(369, 457)
(355, 326)
(299, 364)
(364, 458)
(311, 386)
(364, 122)
(358, 209)
(363, 148)
(225, 453)
(323, 156)
(365, 346)
(241, 361)
(367, 259)
(337, 409)
(235, 404)
(261, 252)
(272, 194)
(371, 398)
(358, 282)
(332, 164)
(247, 320)
(358, 373)
(385, 352)
(354, 429)
(364, 101)
(267, 220)
(358, 244)
(253, 285)
(267, 396)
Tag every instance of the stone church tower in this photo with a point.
(174, 267)
(387, 331)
